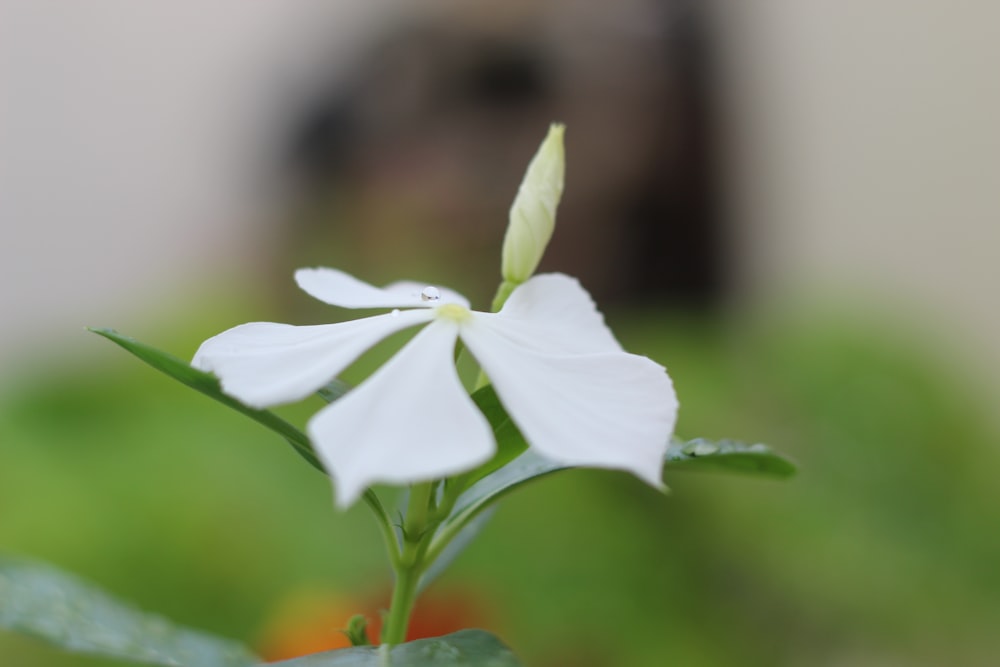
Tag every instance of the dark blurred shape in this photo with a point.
(322, 139)
(505, 75)
(676, 245)
(443, 114)
(408, 77)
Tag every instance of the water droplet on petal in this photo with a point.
(395, 312)
(430, 293)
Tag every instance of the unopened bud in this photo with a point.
(533, 214)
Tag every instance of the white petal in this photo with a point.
(264, 364)
(553, 313)
(410, 421)
(606, 410)
(340, 289)
(411, 289)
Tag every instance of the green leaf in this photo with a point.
(699, 454)
(480, 496)
(491, 488)
(466, 648)
(39, 600)
(208, 384)
(727, 456)
(514, 464)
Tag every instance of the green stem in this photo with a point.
(450, 532)
(503, 292)
(440, 539)
(481, 381)
(417, 513)
(410, 565)
(385, 525)
(403, 597)
(419, 548)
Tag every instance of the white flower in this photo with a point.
(576, 396)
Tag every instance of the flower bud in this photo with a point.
(533, 213)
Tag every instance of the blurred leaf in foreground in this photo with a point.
(467, 648)
(40, 600)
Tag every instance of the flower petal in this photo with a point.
(341, 289)
(606, 410)
(411, 289)
(410, 421)
(264, 364)
(552, 313)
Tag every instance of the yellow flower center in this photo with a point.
(453, 311)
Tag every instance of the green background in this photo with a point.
(882, 551)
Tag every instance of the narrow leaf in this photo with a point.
(467, 648)
(526, 467)
(727, 456)
(208, 384)
(40, 600)
(699, 454)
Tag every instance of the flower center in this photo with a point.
(453, 311)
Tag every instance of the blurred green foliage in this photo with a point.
(881, 552)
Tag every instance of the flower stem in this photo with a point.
(403, 597)
(385, 525)
(410, 565)
(504, 291)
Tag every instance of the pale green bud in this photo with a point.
(533, 213)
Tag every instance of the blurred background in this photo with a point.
(791, 205)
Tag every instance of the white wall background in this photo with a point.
(132, 139)
(867, 156)
(867, 149)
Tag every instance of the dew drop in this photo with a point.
(395, 312)
(705, 449)
(430, 293)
